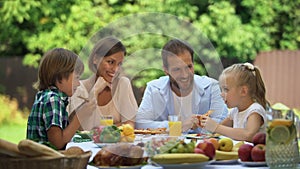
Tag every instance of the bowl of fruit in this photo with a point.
(175, 152)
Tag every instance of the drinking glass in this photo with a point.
(106, 120)
(281, 144)
(174, 126)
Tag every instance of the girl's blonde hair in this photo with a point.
(55, 65)
(249, 75)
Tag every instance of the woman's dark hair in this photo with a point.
(103, 48)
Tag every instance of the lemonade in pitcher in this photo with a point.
(282, 146)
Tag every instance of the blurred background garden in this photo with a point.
(238, 30)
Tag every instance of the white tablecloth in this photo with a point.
(90, 146)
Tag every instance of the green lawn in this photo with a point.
(13, 132)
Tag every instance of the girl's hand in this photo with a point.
(209, 124)
(196, 121)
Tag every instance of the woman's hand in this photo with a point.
(100, 84)
(89, 107)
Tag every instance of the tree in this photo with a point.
(236, 30)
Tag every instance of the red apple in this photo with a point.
(244, 152)
(198, 150)
(258, 152)
(208, 149)
(259, 138)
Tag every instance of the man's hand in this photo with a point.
(187, 124)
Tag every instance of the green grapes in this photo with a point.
(183, 147)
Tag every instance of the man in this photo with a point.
(180, 92)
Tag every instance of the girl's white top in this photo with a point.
(240, 118)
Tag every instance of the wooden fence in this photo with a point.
(281, 74)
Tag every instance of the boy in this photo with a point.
(58, 78)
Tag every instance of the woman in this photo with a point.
(105, 92)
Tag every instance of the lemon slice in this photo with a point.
(280, 133)
(283, 122)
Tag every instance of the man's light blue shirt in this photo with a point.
(157, 102)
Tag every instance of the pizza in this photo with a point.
(150, 131)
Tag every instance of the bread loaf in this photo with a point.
(32, 149)
(10, 149)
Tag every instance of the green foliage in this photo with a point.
(232, 38)
(235, 30)
(279, 19)
(12, 121)
(32, 60)
(13, 132)
(10, 114)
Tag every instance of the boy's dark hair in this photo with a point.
(173, 48)
(55, 65)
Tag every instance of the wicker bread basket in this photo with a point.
(67, 162)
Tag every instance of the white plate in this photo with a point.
(252, 163)
(225, 161)
(187, 165)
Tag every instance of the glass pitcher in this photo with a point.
(281, 143)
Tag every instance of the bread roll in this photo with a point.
(73, 151)
(10, 149)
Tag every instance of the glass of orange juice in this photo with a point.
(106, 120)
(174, 126)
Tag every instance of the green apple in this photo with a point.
(225, 144)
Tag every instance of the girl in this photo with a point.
(243, 90)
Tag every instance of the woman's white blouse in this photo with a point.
(123, 105)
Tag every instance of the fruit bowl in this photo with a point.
(175, 152)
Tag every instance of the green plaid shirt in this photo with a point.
(49, 109)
